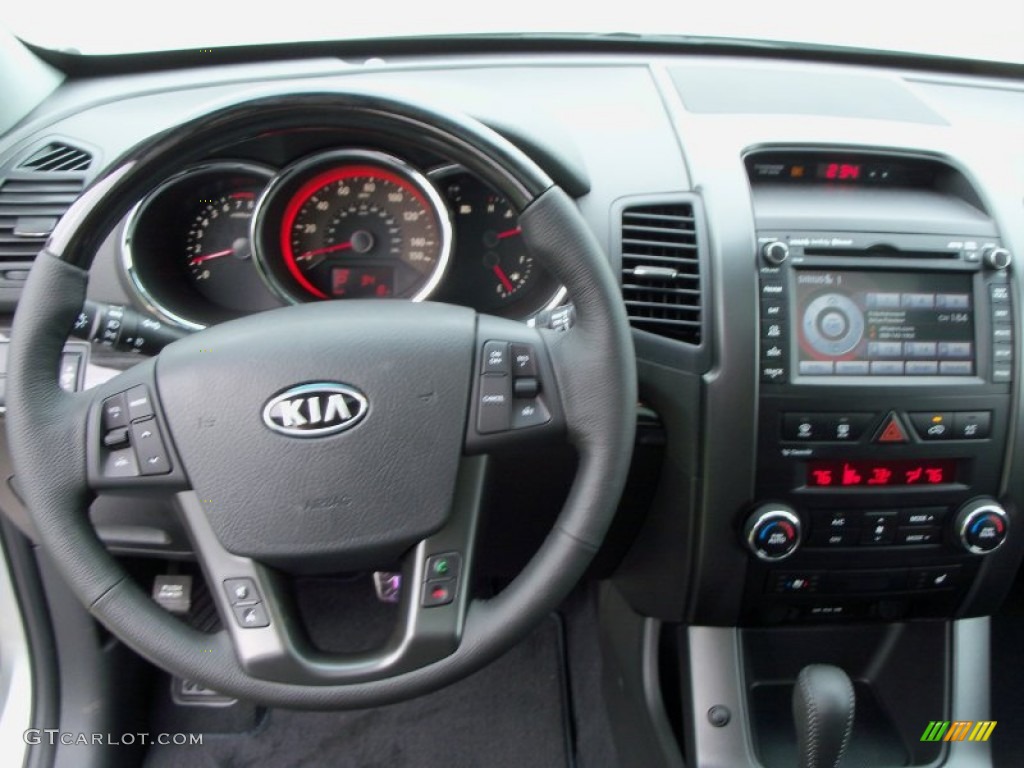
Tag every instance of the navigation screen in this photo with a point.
(852, 323)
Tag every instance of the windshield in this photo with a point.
(980, 29)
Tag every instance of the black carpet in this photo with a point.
(1007, 679)
(508, 715)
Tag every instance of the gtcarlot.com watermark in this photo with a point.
(53, 737)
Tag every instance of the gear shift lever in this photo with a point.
(823, 706)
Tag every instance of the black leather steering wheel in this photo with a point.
(404, 482)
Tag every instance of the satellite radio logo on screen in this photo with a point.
(958, 730)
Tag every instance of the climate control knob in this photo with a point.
(775, 252)
(772, 532)
(982, 525)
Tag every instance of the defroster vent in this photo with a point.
(661, 281)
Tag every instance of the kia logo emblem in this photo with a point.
(315, 410)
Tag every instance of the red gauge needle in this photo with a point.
(509, 233)
(207, 257)
(503, 277)
(328, 249)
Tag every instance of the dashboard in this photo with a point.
(819, 258)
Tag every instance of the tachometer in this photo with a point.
(352, 224)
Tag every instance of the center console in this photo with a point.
(887, 362)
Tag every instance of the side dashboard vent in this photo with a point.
(57, 157)
(29, 210)
(661, 282)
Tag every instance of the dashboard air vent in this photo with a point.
(29, 210)
(661, 270)
(57, 157)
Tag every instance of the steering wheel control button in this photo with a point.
(772, 532)
(116, 438)
(495, 406)
(527, 387)
(437, 593)
(529, 413)
(242, 591)
(444, 567)
(251, 616)
(120, 463)
(149, 448)
(115, 413)
(524, 360)
(496, 357)
(139, 404)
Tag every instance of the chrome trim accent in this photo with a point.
(985, 509)
(324, 160)
(786, 515)
(305, 391)
(127, 260)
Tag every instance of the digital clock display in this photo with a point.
(839, 171)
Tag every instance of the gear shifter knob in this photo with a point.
(823, 706)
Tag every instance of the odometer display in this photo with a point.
(356, 225)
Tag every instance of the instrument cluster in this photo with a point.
(226, 238)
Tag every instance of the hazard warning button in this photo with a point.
(892, 431)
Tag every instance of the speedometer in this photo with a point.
(352, 224)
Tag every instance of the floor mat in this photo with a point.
(508, 715)
(1007, 680)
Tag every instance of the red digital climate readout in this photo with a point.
(868, 474)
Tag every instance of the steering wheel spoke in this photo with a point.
(269, 642)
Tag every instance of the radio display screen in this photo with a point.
(860, 323)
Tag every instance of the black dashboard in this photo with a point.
(817, 258)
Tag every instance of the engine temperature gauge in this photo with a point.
(494, 264)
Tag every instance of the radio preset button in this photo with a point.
(816, 368)
(887, 368)
(852, 367)
(921, 367)
(956, 367)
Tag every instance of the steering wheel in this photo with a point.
(408, 399)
